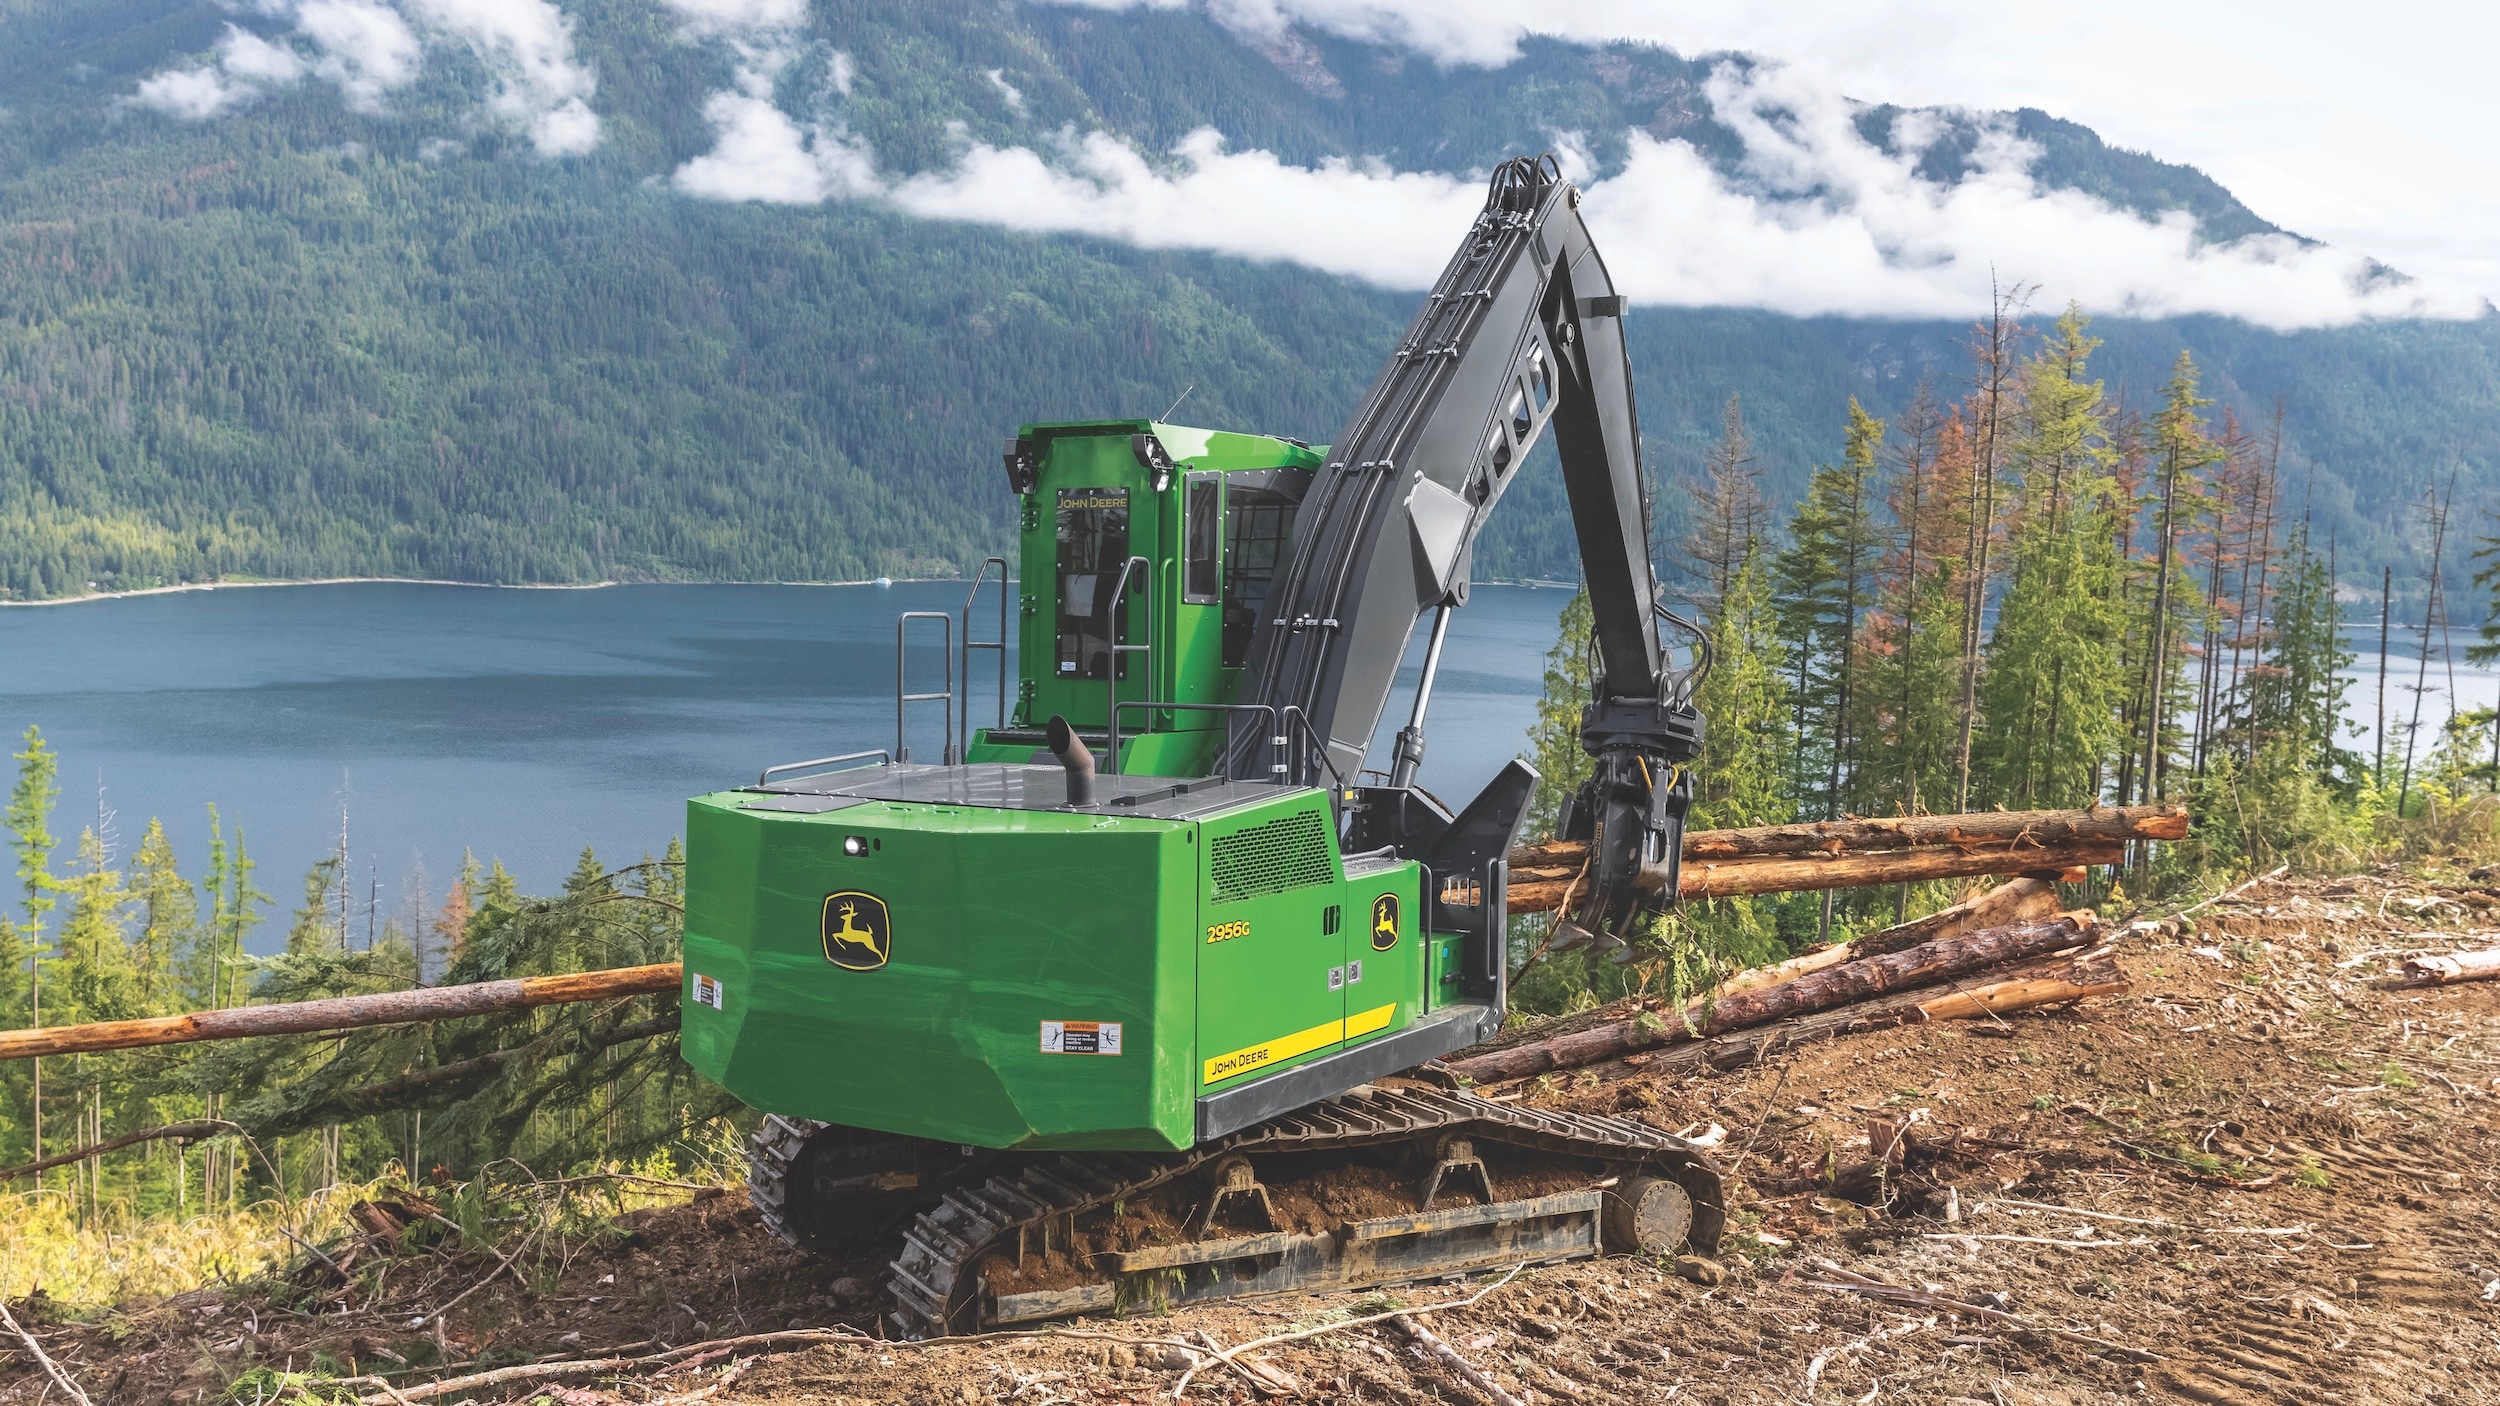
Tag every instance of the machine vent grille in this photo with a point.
(1285, 853)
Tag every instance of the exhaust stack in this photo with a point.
(1071, 752)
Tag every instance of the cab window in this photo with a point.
(1093, 547)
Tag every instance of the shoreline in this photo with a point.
(201, 586)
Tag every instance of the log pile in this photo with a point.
(2004, 950)
(1851, 853)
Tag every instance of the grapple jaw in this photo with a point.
(1631, 810)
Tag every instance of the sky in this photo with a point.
(2371, 137)
(2371, 127)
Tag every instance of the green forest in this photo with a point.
(2033, 595)
(307, 341)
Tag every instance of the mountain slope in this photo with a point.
(302, 339)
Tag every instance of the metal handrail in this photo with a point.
(1276, 737)
(1319, 749)
(946, 651)
(963, 746)
(884, 758)
(1111, 666)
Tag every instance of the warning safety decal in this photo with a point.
(1091, 1037)
(707, 991)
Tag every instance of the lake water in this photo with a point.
(526, 724)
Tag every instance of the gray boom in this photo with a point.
(1522, 330)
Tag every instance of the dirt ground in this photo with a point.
(2266, 1175)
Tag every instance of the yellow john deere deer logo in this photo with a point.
(859, 933)
(1384, 922)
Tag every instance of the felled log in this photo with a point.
(1721, 863)
(1987, 829)
(191, 1131)
(1537, 892)
(2453, 967)
(1739, 1048)
(1923, 965)
(2021, 901)
(341, 1012)
(1842, 985)
(2078, 979)
(1777, 973)
(1995, 829)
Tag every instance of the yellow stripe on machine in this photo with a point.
(1301, 1042)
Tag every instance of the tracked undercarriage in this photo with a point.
(1379, 1186)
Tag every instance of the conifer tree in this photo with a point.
(1729, 515)
(168, 914)
(2298, 692)
(2052, 682)
(1825, 585)
(1910, 650)
(1747, 741)
(2285, 789)
(1993, 345)
(2486, 649)
(412, 920)
(667, 879)
(2239, 519)
(316, 930)
(451, 923)
(501, 893)
(2181, 449)
(29, 820)
(1748, 747)
(213, 972)
(101, 981)
(1554, 748)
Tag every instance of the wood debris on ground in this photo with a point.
(2265, 1172)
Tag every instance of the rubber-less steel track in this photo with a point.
(935, 1281)
(771, 1152)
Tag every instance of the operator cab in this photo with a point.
(1145, 552)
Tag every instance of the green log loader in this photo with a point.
(1135, 997)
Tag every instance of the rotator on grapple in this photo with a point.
(1136, 995)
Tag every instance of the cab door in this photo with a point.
(1271, 952)
(1382, 954)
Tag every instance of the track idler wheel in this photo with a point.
(1647, 1216)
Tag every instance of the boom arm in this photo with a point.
(1523, 329)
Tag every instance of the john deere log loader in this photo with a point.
(1136, 996)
